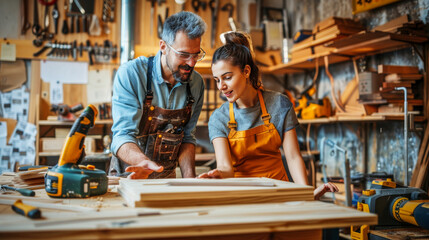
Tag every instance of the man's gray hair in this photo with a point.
(188, 22)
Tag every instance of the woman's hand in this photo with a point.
(215, 173)
(322, 189)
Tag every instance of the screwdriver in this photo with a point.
(26, 210)
(23, 191)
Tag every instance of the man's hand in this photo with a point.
(322, 189)
(215, 173)
(143, 169)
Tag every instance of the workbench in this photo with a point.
(108, 217)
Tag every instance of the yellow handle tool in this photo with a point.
(26, 210)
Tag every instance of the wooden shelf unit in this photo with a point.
(342, 50)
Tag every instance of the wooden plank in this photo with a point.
(215, 220)
(326, 23)
(407, 84)
(392, 25)
(319, 40)
(394, 77)
(163, 192)
(420, 158)
(387, 69)
(34, 91)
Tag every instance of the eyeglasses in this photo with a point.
(187, 56)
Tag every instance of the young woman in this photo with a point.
(248, 130)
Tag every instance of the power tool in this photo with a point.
(68, 179)
(308, 108)
(395, 205)
(65, 112)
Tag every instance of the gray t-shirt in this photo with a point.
(278, 106)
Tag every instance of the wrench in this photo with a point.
(36, 29)
(214, 5)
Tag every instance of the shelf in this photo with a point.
(372, 118)
(69, 123)
(363, 44)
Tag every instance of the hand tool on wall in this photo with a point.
(36, 29)
(46, 20)
(85, 23)
(108, 11)
(26, 24)
(230, 9)
(214, 5)
(160, 24)
(79, 6)
(78, 24)
(22, 191)
(68, 179)
(74, 50)
(65, 28)
(26, 210)
(196, 4)
(94, 27)
(54, 49)
(90, 50)
(72, 24)
(81, 47)
(55, 15)
(152, 12)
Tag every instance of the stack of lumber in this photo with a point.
(397, 33)
(327, 30)
(401, 25)
(399, 76)
(198, 192)
(32, 179)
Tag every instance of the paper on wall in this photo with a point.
(65, 72)
(30, 132)
(23, 114)
(99, 88)
(56, 92)
(6, 158)
(6, 104)
(3, 134)
(8, 52)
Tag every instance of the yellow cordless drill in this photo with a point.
(68, 179)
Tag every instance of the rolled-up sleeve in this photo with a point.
(126, 106)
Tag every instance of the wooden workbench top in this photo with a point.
(107, 217)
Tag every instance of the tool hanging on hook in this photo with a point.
(161, 23)
(214, 5)
(230, 9)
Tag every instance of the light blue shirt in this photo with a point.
(129, 93)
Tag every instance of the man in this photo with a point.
(156, 104)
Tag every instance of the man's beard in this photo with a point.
(178, 76)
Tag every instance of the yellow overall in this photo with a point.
(256, 152)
